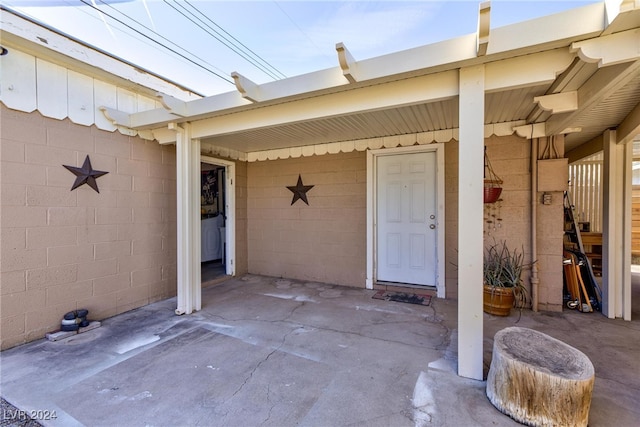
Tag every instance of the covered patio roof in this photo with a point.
(575, 73)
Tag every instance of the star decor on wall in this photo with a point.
(300, 191)
(85, 175)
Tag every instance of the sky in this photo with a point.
(206, 40)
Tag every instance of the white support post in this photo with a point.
(470, 216)
(616, 257)
(188, 216)
(609, 226)
(626, 230)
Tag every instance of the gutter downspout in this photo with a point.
(534, 224)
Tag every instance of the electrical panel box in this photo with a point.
(553, 175)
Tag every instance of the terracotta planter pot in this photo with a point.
(498, 301)
(492, 194)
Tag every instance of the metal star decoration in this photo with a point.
(85, 175)
(300, 191)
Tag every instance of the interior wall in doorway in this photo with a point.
(239, 216)
(212, 190)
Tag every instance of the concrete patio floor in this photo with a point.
(267, 351)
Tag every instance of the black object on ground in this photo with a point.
(403, 297)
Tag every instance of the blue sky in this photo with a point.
(295, 37)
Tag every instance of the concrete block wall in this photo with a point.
(61, 250)
(302, 241)
(325, 241)
(550, 244)
(451, 153)
(550, 235)
(510, 157)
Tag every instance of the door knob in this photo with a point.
(432, 216)
(432, 226)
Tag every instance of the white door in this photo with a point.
(406, 218)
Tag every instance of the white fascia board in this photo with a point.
(427, 57)
(39, 41)
(193, 110)
(418, 90)
(446, 53)
(297, 87)
(508, 73)
(621, 15)
(548, 31)
(529, 37)
(327, 81)
(225, 103)
(527, 70)
(610, 50)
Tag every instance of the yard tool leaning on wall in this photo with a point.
(584, 298)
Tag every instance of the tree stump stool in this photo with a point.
(538, 380)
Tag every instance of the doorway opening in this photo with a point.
(405, 217)
(217, 218)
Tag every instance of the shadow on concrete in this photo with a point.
(267, 351)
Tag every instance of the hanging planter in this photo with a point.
(492, 191)
(492, 183)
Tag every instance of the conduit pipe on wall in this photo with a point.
(534, 219)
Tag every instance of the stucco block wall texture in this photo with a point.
(325, 241)
(241, 258)
(511, 160)
(62, 250)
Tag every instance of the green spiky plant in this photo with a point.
(503, 267)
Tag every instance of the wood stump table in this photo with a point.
(538, 380)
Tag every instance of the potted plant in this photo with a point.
(502, 275)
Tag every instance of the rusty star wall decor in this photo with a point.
(300, 191)
(85, 175)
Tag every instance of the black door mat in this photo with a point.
(403, 297)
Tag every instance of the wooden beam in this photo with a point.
(529, 70)
(394, 94)
(347, 63)
(585, 150)
(610, 50)
(174, 105)
(601, 85)
(248, 89)
(629, 129)
(620, 15)
(534, 130)
(118, 118)
(558, 102)
(484, 19)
